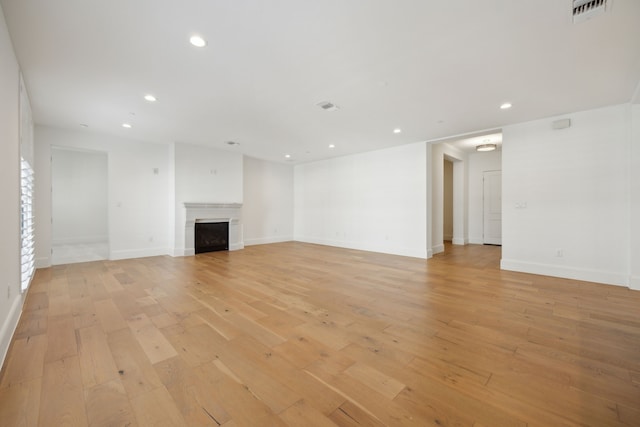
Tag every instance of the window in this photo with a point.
(27, 243)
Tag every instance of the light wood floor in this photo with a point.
(304, 335)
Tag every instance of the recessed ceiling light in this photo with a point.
(506, 106)
(197, 41)
(332, 146)
(126, 125)
(287, 156)
(150, 98)
(486, 147)
(397, 130)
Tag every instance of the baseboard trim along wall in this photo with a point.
(267, 240)
(137, 253)
(587, 275)
(9, 326)
(386, 249)
(438, 248)
(634, 283)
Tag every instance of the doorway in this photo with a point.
(492, 207)
(447, 190)
(78, 206)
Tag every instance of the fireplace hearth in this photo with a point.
(211, 237)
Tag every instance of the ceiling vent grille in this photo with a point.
(584, 10)
(327, 106)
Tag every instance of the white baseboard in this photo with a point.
(459, 241)
(476, 241)
(634, 283)
(438, 248)
(43, 262)
(137, 253)
(236, 246)
(9, 326)
(267, 240)
(384, 249)
(447, 237)
(587, 275)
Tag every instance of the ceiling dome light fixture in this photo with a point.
(397, 130)
(150, 98)
(126, 125)
(197, 41)
(486, 147)
(332, 146)
(506, 106)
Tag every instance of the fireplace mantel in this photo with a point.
(192, 205)
(213, 212)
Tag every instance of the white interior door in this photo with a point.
(492, 199)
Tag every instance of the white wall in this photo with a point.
(478, 163)
(634, 235)
(575, 184)
(11, 299)
(447, 219)
(138, 211)
(268, 202)
(204, 175)
(79, 203)
(439, 151)
(373, 201)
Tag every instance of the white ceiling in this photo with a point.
(432, 68)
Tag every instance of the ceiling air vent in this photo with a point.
(327, 106)
(584, 10)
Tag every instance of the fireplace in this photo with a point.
(211, 236)
(212, 213)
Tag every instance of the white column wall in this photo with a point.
(439, 151)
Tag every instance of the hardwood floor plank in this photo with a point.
(33, 322)
(350, 415)
(376, 380)
(62, 398)
(302, 334)
(153, 343)
(157, 408)
(109, 316)
(96, 362)
(303, 414)
(25, 360)
(61, 338)
(107, 405)
(136, 372)
(20, 403)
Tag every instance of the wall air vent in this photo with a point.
(327, 106)
(584, 10)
